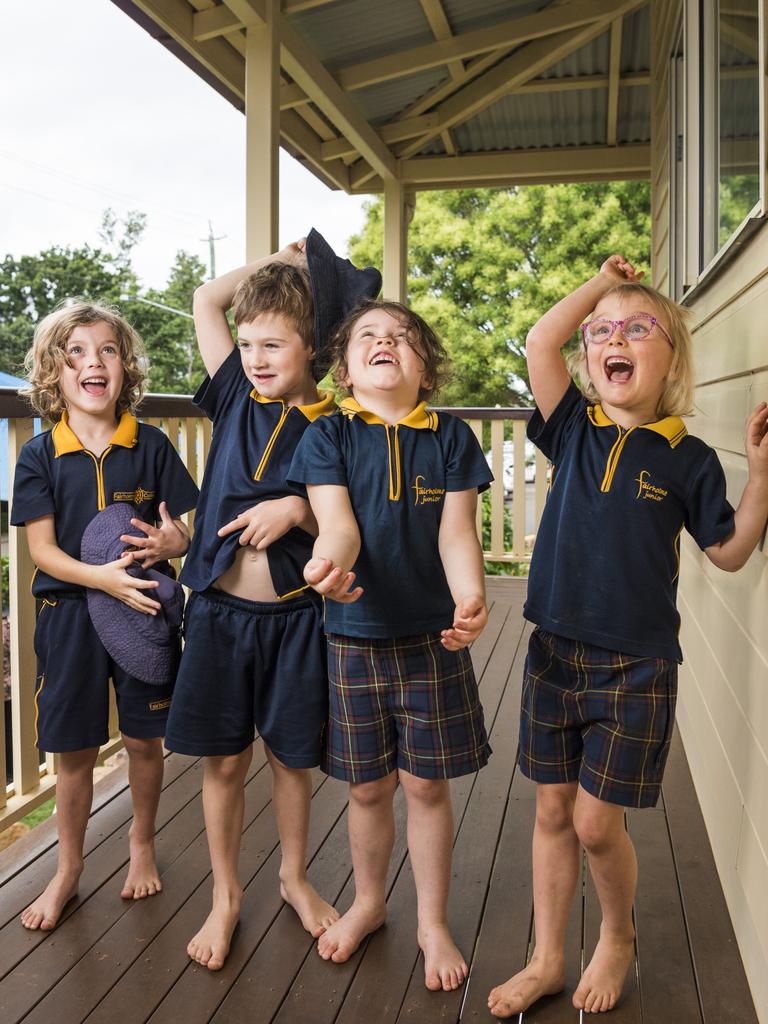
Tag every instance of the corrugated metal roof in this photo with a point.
(347, 32)
(634, 115)
(464, 15)
(357, 30)
(573, 118)
(386, 100)
(740, 108)
(636, 41)
(592, 59)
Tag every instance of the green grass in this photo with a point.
(40, 813)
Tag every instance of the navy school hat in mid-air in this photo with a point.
(146, 646)
(338, 286)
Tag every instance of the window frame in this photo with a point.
(697, 259)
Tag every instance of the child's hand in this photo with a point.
(115, 581)
(160, 543)
(469, 620)
(295, 253)
(620, 270)
(756, 443)
(331, 581)
(266, 522)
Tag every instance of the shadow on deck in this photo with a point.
(112, 962)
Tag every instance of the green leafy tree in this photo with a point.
(31, 286)
(175, 364)
(483, 265)
(738, 194)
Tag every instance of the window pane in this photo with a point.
(739, 185)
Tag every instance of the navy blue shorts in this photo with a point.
(72, 691)
(598, 717)
(405, 702)
(249, 666)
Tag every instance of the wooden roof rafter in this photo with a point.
(525, 63)
(614, 74)
(322, 122)
(434, 12)
(549, 21)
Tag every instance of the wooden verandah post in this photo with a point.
(262, 108)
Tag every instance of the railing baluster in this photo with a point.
(188, 453)
(476, 427)
(26, 758)
(3, 796)
(204, 435)
(540, 487)
(518, 489)
(497, 489)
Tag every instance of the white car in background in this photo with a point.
(509, 465)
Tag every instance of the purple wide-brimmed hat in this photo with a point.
(338, 287)
(146, 646)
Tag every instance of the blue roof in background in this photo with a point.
(7, 380)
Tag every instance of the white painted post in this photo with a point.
(399, 207)
(262, 120)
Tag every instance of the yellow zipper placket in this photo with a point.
(613, 458)
(271, 443)
(101, 497)
(394, 469)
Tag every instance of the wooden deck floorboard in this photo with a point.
(117, 962)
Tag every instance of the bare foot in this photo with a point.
(601, 983)
(143, 878)
(46, 910)
(315, 914)
(444, 966)
(210, 946)
(341, 940)
(523, 989)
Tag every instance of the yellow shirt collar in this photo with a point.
(671, 427)
(323, 407)
(65, 440)
(419, 418)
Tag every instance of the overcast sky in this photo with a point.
(94, 113)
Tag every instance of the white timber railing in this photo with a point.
(509, 519)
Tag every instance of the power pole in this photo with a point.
(211, 240)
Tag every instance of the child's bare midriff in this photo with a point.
(248, 577)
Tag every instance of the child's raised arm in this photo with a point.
(749, 521)
(337, 545)
(462, 559)
(212, 300)
(547, 370)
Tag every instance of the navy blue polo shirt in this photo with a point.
(253, 442)
(397, 477)
(607, 554)
(56, 474)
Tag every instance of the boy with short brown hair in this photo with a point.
(254, 654)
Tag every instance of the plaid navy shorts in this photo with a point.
(402, 702)
(598, 717)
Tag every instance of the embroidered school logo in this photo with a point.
(426, 495)
(645, 489)
(159, 705)
(137, 496)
